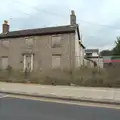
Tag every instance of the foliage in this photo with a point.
(116, 49)
(106, 53)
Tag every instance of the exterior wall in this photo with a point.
(85, 62)
(95, 54)
(92, 64)
(79, 52)
(99, 61)
(88, 63)
(67, 51)
(42, 51)
(81, 56)
(71, 48)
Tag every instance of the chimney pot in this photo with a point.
(5, 28)
(5, 22)
(72, 12)
(73, 18)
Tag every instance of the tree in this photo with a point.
(106, 53)
(116, 49)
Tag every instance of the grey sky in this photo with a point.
(91, 15)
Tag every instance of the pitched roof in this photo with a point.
(39, 31)
(91, 50)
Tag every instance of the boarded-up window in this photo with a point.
(56, 41)
(5, 43)
(56, 61)
(29, 41)
(4, 62)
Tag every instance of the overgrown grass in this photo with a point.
(80, 77)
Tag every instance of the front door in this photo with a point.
(28, 62)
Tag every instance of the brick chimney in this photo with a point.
(5, 28)
(73, 18)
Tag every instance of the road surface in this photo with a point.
(12, 108)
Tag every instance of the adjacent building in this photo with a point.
(42, 48)
(111, 61)
(93, 54)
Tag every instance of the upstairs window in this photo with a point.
(29, 41)
(56, 41)
(5, 43)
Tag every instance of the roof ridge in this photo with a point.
(39, 31)
(39, 28)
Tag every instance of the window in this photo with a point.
(56, 41)
(88, 54)
(29, 41)
(4, 62)
(56, 61)
(5, 43)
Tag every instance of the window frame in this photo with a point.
(56, 55)
(53, 45)
(1, 60)
(5, 40)
(27, 43)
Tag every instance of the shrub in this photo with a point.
(79, 77)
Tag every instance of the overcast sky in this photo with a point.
(99, 20)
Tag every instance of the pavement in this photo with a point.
(15, 108)
(90, 94)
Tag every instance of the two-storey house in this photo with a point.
(42, 48)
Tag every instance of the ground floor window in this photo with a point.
(4, 62)
(56, 61)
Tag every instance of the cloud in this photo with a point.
(24, 14)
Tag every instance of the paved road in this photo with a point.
(23, 109)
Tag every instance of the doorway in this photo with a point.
(28, 62)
